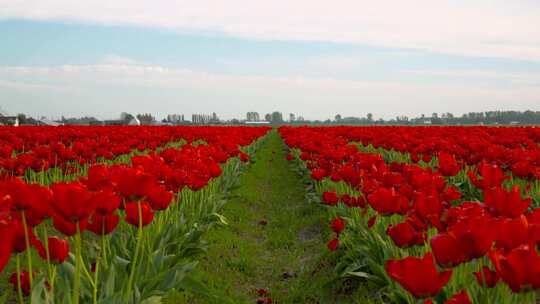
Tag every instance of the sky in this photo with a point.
(312, 58)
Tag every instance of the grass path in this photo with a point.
(274, 239)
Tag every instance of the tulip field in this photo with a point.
(429, 214)
(111, 215)
(254, 215)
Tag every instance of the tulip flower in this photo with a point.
(330, 198)
(58, 250)
(512, 233)
(7, 235)
(24, 278)
(333, 244)
(448, 165)
(337, 225)
(487, 277)
(404, 235)
(101, 224)
(132, 214)
(492, 176)
(105, 201)
(159, 198)
(244, 157)
(446, 250)
(387, 201)
(505, 203)
(419, 276)
(460, 298)
(72, 201)
(318, 174)
(520, 268)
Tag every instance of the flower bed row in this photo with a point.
(40, 148)
(402, 224)
(123, 233)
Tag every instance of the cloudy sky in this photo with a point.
(313, 58)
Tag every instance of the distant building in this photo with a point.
(9, 121)
(134, 122)
(252, 116)
(48, 122)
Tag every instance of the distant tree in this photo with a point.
(338, 117)
(146, 119)
(268, 117)
(369, 117)
(276, 117)
(126, 116)
(22, 118)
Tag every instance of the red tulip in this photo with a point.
(520, 268)
(98, 177)
(101, 224)
(66, 227)
(505, 203)
(388, 202)
(333, 244)
(475, 236)
(419, 276)
(448, 165)
(244, 157)
(214, 169)
(404, 235)
(34, 200)
(24, 279)
(337, 225)
(330, 198)
(446, 250)
(427, 205)
(371, 221)
(451, 194)
(262, 292)
(459, 298)
(72, 201)
(318, 174)
(159, 198)
(58, 250)
(132, 213)
(487, 277)
(132, 183)
(492, 176)
(512, 233)
(106, 201)
(7, 235)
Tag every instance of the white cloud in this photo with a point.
(7, 84)
(526, 79)
(495, 28)
(103, 89)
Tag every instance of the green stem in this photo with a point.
(28, 252)
(19, 290)
(96, 273)
(77, 281)
(136, 257)
(48, 256)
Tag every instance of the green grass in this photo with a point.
(288, 256)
